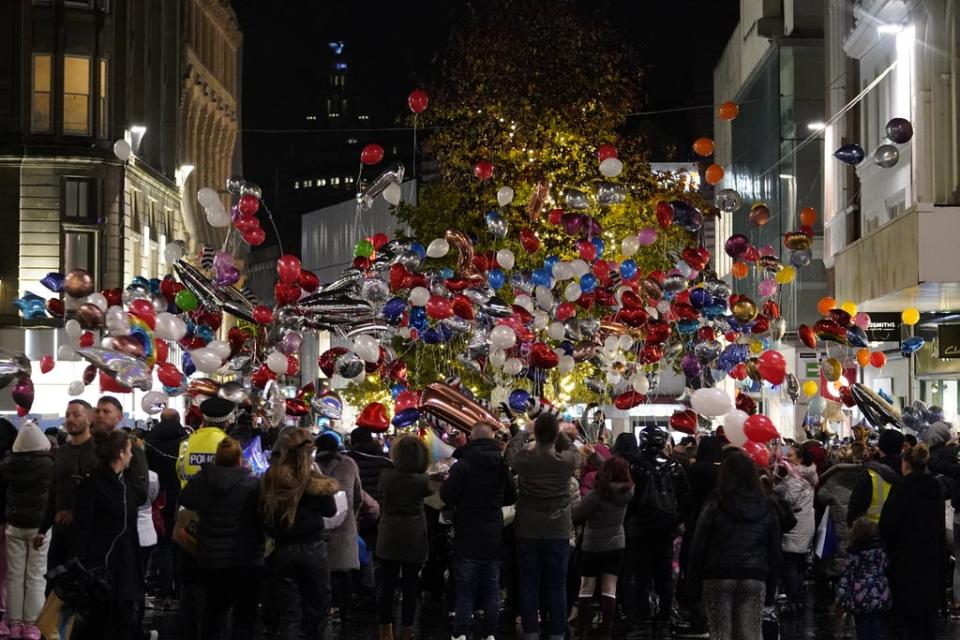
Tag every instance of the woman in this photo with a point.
(229, 540)
(295, 499)
(602, 510)
(912, 526)
(342, 542)
(736, 552)
(402, 532)
(797, 495)
(106, 537)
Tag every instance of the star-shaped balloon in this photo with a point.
(31, 306)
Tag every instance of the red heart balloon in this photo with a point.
(293, 365)
(237, 338)
(772, 366)
(108, 384)
(328, 359)
(633, 316)
(542, 356)
(297, 408)
(89, 374)
(657, 331)
(374, 417)
(684, 421)
(398, 273)
(757, 452)
(47, 363)
(397, 371)
(522, 314)
(807, 336)
(55, 307)
(261, 376)
(664, 213)
(628, 400)
(554, 216)
(86, 339)
(463, 308)
(565, 311)
(286, 293)
(169, 375)
(632, 300)
(439, 308)
(407, 400)
(759, 428)
(650, 354)
(744, 402)
(760, 325)
(262, 314)
(697, 258)
(529, 240)
(115, 296)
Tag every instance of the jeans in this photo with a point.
(26, 567)
(477, 581)
(871, 626)
(233, 588)
(542, 567)
(791, 577)
(734, 608)
(650, 556)
(302, 575)
(407, 577)
(956, 565)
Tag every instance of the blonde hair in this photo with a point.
(287, 479)
(917, 456)
(229, 453)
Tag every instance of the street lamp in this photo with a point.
(137, 131)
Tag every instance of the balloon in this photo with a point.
(876, 410)
(647, 236)
(496, 225)
(47, 363)
(371, 154)
(129, 371)
(418, 100)
(759, 428)
(825, 305)
(684, 421)
(504, 196)
(529, 240)
(899, 130)
(439, 307)
(374, 417)
(78, 283)
(465, 266)
(121, 149)
(153, 402)
(186, 300)
(23, 393)
(713, 174)
(437, 248)
(736, 245)
(772, 366)
(703, 146)
(810, 388)
(75, 388)
(276, 362)
(728, 110)
(605, 151)
(851, 154)
(759, 214)
(886, 156)
(910, 316)
(392, 193)
(878, 359)
(611, 167)
(53, 281)
(288, 268)
(757, 452)
(786, 275)
(503, 337)
(505, 259)
(911, 345)
(711, 402)
(496, 278)
(739, 270)
(483, 170)
(419, 296)
(206, 360)
(367, 347)
(442, 401)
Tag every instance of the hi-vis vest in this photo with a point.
(199, 448)
(880, 489)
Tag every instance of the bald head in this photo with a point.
(170, 415)
(481, 430)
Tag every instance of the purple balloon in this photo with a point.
(647, 236)
(23, 393)
(222, 260)
(227, 276)
(572, 223)
(291, 343)
(736, 245)
(589, 227)
(690, 366)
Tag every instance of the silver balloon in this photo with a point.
(349, 365)
(708, 350)
(590, 326)
(234, 392)
(497, 226)
(801, 258)
(886, 156)
(239, 363)
(572, 330)
(393, 175)
(235, 184)
(728, 200)
(778, 328)
(126, 369)
(374, 327)
(479, 295)
(674, 283)
(374, 290)
(717, 288)
(497, 307)
(411, 260)
(272, 405)
(135, 292)
(251, 189)
(13, 366)
(458, 325)
(576, 200)
(595, 385)
(346, 283)
(609, 193)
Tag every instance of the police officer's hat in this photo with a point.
(217, 411)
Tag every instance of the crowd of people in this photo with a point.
(538, 527)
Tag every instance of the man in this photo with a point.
(368, 454)
(72, 462)
(543, 524)
(107, 417)
(201, 446)
(478, 487)
(163, 447)
(877, 477)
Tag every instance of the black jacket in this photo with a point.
(370, 463)
(8, 433)
(703, 476)
(230, 533)
(28, 477)
(639, 517)
(912, 526)
(163, 448)
(738, 539)
(479, 485)
(316, 504)
(889, 470)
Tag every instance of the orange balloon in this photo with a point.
(714, 174)
(729, 110)
(825, 304)
(808, 216)
(878, 359)
(863, 357)
(703, 146)
(739, 270)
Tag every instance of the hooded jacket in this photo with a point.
(798, 494)
(28, 477)
(888, 468)
(316, 504)
(543, 488)
(863, 586)
(370, 464)
(736, 539)
(230, 533)
(479, 486)
(836, 487)
(163, 447)
(603, 517)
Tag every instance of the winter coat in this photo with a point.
(642, 516)
(913, 529)
(402, 532)
(163, 447)
(888, 468)
(836, 486)
(543, 482)
(8, 434)
(864, 587)
(603, 517)
(342, 550)
(370, 464)
(479, 486)
(736, 539)
(105, 531)
(70, 464)
(145, 527)
(308, 526)
(798, 495)
(230, 532)
(27, 477)
(703, 476)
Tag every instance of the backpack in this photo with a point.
(864, 587)
(655, 502)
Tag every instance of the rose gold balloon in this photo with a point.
(90, 316)
(759, 215)
(203, 387)
(446, 403)
(464, 246)
(129, 345)
(78, 283)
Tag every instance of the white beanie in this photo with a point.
(30, 439)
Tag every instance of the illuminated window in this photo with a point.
(103, 123)
(334, 181)
(79, 199)
(296, 185)
(42, 82)
(76, 95)
(322, 182)
(307, 183)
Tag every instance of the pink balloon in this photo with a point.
(767, 288)
(862, 320)
(767, 250)
(647, 236)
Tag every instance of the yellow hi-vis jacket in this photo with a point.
(880, 489)
(199, 448)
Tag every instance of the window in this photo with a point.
(76, 95)
(42, 83)
(307, 183)
(79, 200)
(103, 122)
(334, 181)
(322, 182)
(296, 185)
(80, 250)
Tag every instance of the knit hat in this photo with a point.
(938, 433)
(890, 442)
(361, 435)
(30, 439)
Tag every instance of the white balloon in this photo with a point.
(613, 377)
(220, 347)
(525, 301)
(572, 292)
(711, 402)
(99, 300)
(503, 337)
(276, 362)
(419, 296)
(580, 268)
(438, 248)
(121, 149)
(566, 364)
(207, 196)
(506, 259)
(76, 388)
(629, 246)
(217, 216)
(208, 361)
(106, 342)
(556, 330)
(626, 341)
(504, 196)
(172, 252)
(393, 193)
(733, 427)
(66, 352)
(640, 383)
(367, 347)
(153, 402)
(171, 327)
(115, 315)
(611, 343)
(119, 330)
(497, 358)
(562, 271)
(513, 366)
(652, 312)
(540, 319)
(72, 329)
(611, 167)
(544, 297)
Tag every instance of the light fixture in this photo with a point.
(137, 131)
(884, 29)
(816, 126)
(786, 176)
(183, 172)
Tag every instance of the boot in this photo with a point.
(584, 617)
(608, 612)
(386, 632)
(406, 633)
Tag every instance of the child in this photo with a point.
(864, 589)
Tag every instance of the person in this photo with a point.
(803, 460)
(543, 523)
(71, 463)
(368, 454)
(294, 500)
(735, 558)
(602, 511)
(106, 537)
(342, 548)
(478, 486)
(27, 473)
(146, 530)
(8, 434)
(864, 589)
(797, 496)
(913, 529)
(402, 531)
(877, 478)
(162, 447)
(836, 487)
(107, 417)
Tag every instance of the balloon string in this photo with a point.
(414, 165)
(272, 224)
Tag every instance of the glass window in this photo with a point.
(103, 121)
(334, 181)
(76, 95)
(79, 204)
(79, 251)
(296, 185)
(42, 82)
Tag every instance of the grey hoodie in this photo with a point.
(603, 516)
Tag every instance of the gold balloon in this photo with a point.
(78, 283)
(90, 316)
(832, 369)
(797, 241)
(759, 214)
(204, 387)
(745, 309)
(753, 369)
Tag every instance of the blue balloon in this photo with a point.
(496, 278)
(418, 249)
(851, 154)
(549, 262)
(518, 400)
(406, 418)
(394, 309)
(154, 286)
(541, 277)
(628, 268)
(699, 298)
(567, 347)
(431, 336)
(31, 306)
(857, 336)
(588, 282)
(204, 332)
(598, 244)
(492, 215)
(911, 345)
(446, 273)
(140, 281)
(53, 281)
(396, 390)
(186, 364)
(418, 318)
(687, 327)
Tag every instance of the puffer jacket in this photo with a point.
(370, 464)
(737, 539)
(798, 494)
(836, 485)
(28, 477)
(603, 517)
(230, 533)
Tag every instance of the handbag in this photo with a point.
(82, 590)
(56, 620)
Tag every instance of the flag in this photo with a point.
(827, 541)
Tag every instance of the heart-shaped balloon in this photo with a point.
(328, 360)
(529, 240)
(542, 356)
(628, 400)
(807, 336)
(697, 257)
(684, 421)
(759, 428)
(374, 417)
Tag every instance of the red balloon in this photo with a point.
(664, 213)
(169, 375)
(371, 154)
(554, 216)
(759, 428)
(162, 351)
(439, 308)
(744, 402)
(878, 359)
(248, 204)
(587, 250)
(22, 411)
(378, 240)
(483, 170)
(772, 366)
(529, 240)
(144, 310)
(293, 365)
(308, 281)
(246, 224)
(418, 100)
(297, 407)
(807, 336)
(86, 339)
(397, 371)
(110, 385)
(262, 314)
(47, 363)
(628, 400)
(89, 374)
(542, 356)
(684, 421)
(757, 452)
(55, 307)
(286, 293)
(463, 308)
(115, 296)
(288, 268)
(212, 319)
(565, 311)
(374, 417)
(261, 376)
(407, 400)
(606, 151)
(255, 237)
(327, 360)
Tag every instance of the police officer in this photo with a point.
(201, 446)
(874, 483)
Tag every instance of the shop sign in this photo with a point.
(948, 337)
(884, 327)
